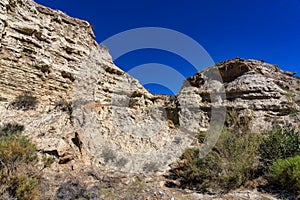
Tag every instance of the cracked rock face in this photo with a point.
(41, 49)
(91, 113)
(55, 58)
(259, 91)
(82, 95)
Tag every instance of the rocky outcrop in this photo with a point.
(92, 116)
(88, 108)
(257, 92)
(41, 50)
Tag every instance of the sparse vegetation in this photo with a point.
(135, 188)
(227, 166)
(19, 177)
(290, 95)
(279, 143)
(110, 194)
(24, 102)
(236, 123)
(237, 159)
(285, 174)
(47, 161)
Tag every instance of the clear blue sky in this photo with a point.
(252, 29)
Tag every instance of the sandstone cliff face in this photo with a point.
(258, 93)
(82, 95)
(41, 48)
(92, 115)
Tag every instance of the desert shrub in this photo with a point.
(24, 102)
(15, 150)
(237, 123)
(136, 188)
(19, 178)
(11, 129)
(27, 187)
(279, 143)
(198, 173)
(230, 163)
(285, 174)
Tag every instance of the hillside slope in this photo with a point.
(92, 117)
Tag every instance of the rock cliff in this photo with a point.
(260, 94)
(92, 116)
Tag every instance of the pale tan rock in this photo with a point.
(97, 117)
(254, 89)
(53, 144)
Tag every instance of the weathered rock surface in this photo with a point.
(92, 116)
(257, 92)
(55, 58)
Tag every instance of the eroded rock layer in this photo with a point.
(260, 93)
(92, 116)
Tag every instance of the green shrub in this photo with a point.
(19, 178)
(285, 174)
(24, 102)
(194, 172)
(230, 163)
(16, 150)
(279, 143)
(26, 187)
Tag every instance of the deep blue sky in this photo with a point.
(252, 29)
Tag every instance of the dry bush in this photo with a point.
(229, 165)
(19, 177)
